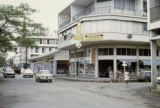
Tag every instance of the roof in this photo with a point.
(56, 55)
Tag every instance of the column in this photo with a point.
(153, 65)
(138, 68)
(96, 65)
(115, 61)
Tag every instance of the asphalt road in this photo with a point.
(26, 93)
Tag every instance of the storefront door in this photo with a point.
(105, 66)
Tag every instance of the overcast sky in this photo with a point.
(48, 10)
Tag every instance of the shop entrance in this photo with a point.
(105, 66)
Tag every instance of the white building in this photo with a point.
(56, 62)
(154, 27)
(45, 44)
(107, 33)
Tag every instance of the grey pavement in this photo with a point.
(26, 93)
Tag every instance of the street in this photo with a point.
(26, 93)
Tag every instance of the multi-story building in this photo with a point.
(102, 34)
(154, 27)
(45, 44)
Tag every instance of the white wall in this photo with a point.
(113, 26)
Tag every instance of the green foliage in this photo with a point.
(15, 22)
(26, 42)
(2, 61)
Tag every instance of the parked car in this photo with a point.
(144, 76)
(158, 78)
(27, 73)
(8, 72)
(44, 75)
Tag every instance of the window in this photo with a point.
(50, 49)
(48, 42)
(43, 50)
(125, 4)
(72, 55)
(80, 54)
(103, 0)
(105, 51)
(36, 50)
(144, 52)
(126, 51)
(145, 27)
(145, 7)
(40, 41)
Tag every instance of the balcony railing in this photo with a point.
(64, 23)
(110, 10)
(155, 13)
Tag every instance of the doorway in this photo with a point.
(105, 66)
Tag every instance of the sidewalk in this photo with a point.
(83, 79)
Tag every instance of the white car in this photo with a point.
(8, 72)
(44, 75)
(27, 73)
(158, 79)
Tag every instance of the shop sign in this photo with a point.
(93, 55)
(92, 37)
(88, 37)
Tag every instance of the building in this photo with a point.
(102, 34)
(154, 27)
(45, 44)
(56, 62)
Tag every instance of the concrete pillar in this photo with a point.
(115, 61)
(153, 64)
(96, 65)
(138, 68)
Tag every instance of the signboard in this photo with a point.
(124, 64)
(88, 37)
(92, 37)
(93, 55)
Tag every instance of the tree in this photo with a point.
(2, 61)
(16, 25)
(26, 43)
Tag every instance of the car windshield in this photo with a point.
(9, 69)
(44, 72)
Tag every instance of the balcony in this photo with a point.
(110, 10)
(155, 13)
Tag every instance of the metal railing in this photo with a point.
(107, 10)
(111, 10)
(155, 13)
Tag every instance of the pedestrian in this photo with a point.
(118, 76)
(126, 76)
(111, 76)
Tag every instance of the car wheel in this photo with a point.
(50, 81)
(37, 80)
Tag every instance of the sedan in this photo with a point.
(44, 75)
(27, 73)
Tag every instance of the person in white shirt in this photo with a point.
(126, 76)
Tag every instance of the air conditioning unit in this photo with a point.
(129, 36)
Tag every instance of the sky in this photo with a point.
(47, 10)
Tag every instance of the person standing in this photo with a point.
(126, 76)
(111, 76)
(118, 76)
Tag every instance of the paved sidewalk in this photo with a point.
(88, 79)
